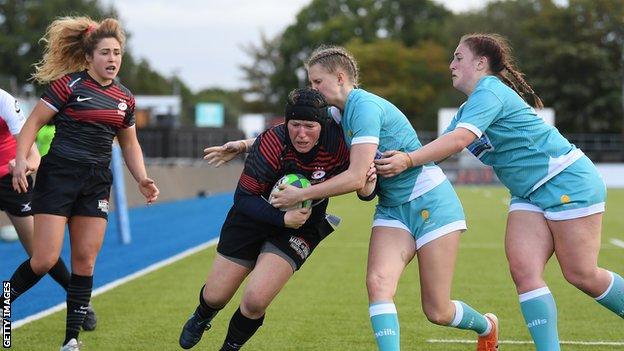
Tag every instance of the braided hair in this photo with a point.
(496, 48)
(332, 58)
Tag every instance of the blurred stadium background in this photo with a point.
(572, 53)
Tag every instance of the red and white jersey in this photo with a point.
(11, 121)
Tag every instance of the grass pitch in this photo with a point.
(324, 306)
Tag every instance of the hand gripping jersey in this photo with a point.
(368, 118)
(88, 117)
(524, 151)
(11, 122)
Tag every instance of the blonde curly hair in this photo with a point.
(68, 41)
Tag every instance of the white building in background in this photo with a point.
(252, 124)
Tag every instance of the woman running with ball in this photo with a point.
(261, 241)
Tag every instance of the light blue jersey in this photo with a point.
(368, 118)
(524, 151)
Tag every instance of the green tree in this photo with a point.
(338, 22)
(259, 75)
(572, 55)
(410, 77)
(25, 22)
(577, 63)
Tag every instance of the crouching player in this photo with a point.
(261, 241)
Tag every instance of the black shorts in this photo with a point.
(68, 188)
(243, 239)
(12, 202)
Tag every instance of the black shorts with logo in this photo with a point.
(69, 188)
(243, 239)
(12, 202)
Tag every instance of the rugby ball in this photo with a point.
(295, 180)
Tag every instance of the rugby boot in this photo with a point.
(72, 345)
(193, 330)
(489, 342)
(90, 321)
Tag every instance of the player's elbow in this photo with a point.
(357, 181)
(360, 182)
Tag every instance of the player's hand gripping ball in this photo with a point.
(295, 180)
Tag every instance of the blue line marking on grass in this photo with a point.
(159, 231)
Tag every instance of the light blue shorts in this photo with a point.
(578, 191)
(428, 217)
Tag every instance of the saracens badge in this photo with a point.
(318, 174)
(122, 106)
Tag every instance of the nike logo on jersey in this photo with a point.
(80, 99)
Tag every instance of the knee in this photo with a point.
(83, 265)
(525, 277)
(580, 277)
(380, 286)
(42, 263)
(253, 306)
(214, 297)
(440, 315)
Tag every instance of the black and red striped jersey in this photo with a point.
(272, 156)
(88, 116)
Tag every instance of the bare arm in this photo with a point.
(24, 157)
(218, 155)
(395, 162)
(33, 158)
(354, 178)
(133, 156)
(371, 181)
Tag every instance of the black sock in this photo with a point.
(78, 297)
(203, 309)
(23, 279)
(240, 330)
(60, 273)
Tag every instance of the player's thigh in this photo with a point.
(436, 265)
(48, 235)
(390, 250)
(266, 280)
(577, 242)
(24, 226)
(224, 278)
(86, 235)
(528, 246)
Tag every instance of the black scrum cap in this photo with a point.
(306, 104)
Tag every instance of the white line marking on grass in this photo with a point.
(118, 282)
(617, 242)
(527, 342)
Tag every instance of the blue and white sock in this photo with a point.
(613, 297)
(467, 318)
(540, 314)
(385, 323)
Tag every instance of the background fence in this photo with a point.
(189, 142)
